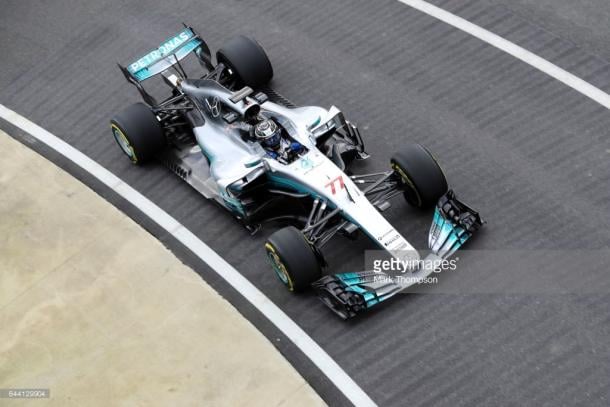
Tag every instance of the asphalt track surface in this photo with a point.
(530, 153)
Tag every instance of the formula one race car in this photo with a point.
(243, 145)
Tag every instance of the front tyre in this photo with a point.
(138, 133)
(293, 259)
(422, 177)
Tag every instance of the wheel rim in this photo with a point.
(122, 141)
(278, 267)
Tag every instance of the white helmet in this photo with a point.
(268, 133)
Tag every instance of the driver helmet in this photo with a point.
(268, 134)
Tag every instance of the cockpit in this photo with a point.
(276, 141)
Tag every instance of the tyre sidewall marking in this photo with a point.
(408, 181)
(124, 143)
(279, 267)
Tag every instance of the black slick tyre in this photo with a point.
(247, 60)
(138, 133)
(423, 178)
(293, 259)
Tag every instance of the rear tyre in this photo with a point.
(138, 133)
(293, 259)
(423, 178)
(247, 60)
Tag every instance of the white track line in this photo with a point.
(304, 342)
(524, 55)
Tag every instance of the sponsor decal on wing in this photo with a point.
(164, 50)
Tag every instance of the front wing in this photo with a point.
(348, 294)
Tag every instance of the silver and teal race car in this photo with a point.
(241, 144)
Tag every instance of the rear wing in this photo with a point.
(168, 54)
